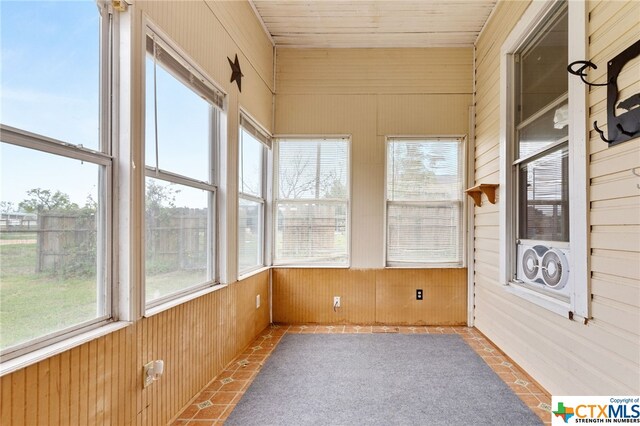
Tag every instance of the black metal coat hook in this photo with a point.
(623, 126)
(580, 72)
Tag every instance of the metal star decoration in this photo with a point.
(236, 72)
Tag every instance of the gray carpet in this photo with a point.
(378, 379)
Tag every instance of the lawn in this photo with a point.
(33, 304)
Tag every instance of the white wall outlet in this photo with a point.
(336, 301)
(257, 301)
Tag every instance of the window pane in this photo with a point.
(545, 130)
(424, 233)
(313, 169)
(176, 236)
(50, 69)
(543, 68)
(311, 233)
(424, 170)
(184, 121)
(249, 235)
(250, 165)
(544, 197)
(49, 245)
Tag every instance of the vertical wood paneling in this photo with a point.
(518, 326)
(100, 382)
(444, 296)
(386, 296)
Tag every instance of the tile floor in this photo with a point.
(216, 401)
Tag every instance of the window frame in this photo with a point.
(579, 278)
(248, 124)
(276, 200)
(216, 115)
(17, 356)
(463, 203)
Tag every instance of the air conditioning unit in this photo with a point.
(544, 266)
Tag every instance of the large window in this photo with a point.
(55, 173)
(182, 128)
(543, 243)
(424, 201)
(541, 162)
(252, 171)
(312, 202)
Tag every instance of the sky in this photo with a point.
(49, 85)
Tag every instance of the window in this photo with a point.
(55, 173)
(182, 128)
(424, 201)
(252, 181)
(543, 243)
(312, 202)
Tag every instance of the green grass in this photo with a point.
(18, 235)
(160, 285)
(34, 304)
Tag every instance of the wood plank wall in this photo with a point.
(370, 296)
(100, 382)
(602, 357)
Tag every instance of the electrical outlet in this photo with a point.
(418, 294)
(336, 301)
(257, 301)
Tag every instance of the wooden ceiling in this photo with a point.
(362, 23)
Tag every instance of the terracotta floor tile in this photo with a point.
(244, 374)
(204, 396)
(201, 422)
(188, 412)
(213, 386)
(234, 386)
(227, 412)
(210, 413)
(223, 397)
(179, 422)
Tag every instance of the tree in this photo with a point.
(7, 207)
(158, 196)
(44, 200)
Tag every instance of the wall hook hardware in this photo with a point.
(580, 72)
(625, 125)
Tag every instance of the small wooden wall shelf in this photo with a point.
(489, 189)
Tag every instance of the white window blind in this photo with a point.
(181, 69)
(312, 205)
(424, 201)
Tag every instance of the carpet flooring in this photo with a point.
(378, 379)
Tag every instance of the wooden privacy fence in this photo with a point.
(176, 239)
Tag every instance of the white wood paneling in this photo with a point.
(605, 354)
(376, 23)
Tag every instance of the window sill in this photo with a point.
(180, 300)
(309, 266)
(59, 347)
(253, 272)
(547, 302)
(427, 266)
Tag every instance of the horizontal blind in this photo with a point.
(313, 169)
(424, 201)
(312, 209)
(255, 130)
(180, 69)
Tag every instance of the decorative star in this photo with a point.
(236, 72)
